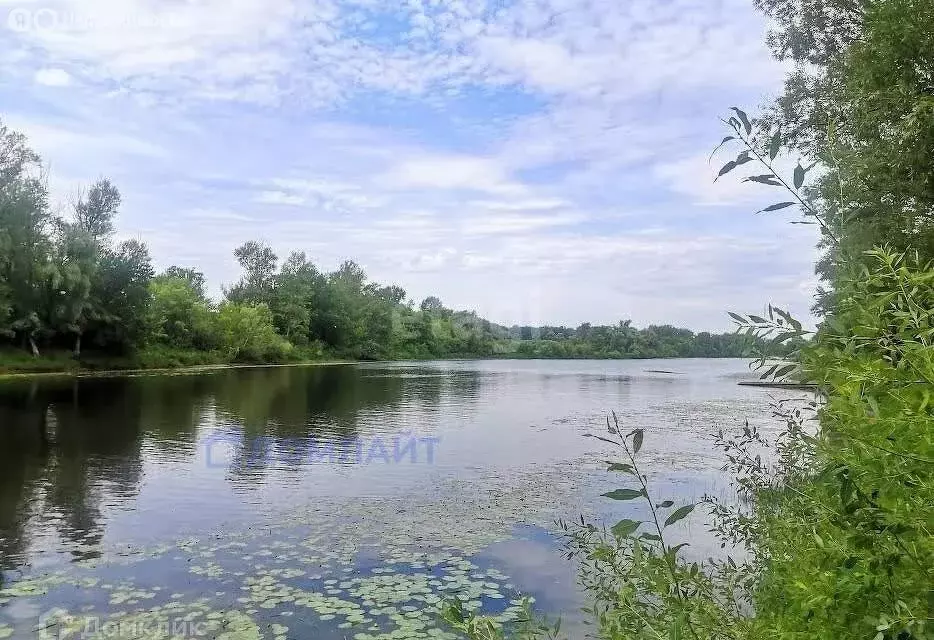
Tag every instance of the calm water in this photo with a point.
(334, 501)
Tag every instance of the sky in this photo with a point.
(538, 161)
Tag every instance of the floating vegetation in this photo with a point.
(309, 574)
(363, 567)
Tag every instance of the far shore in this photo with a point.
(11, 373)
(111, 373)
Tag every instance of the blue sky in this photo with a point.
(539, 161)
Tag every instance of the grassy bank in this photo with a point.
(20, 363)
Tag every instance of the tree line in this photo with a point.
(66, 287)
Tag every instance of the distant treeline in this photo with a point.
(68, 290)
(624, 341)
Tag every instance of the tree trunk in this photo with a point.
(78, 346)
(33, 347)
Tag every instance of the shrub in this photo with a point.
(248, 334)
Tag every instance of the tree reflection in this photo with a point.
(69, 447)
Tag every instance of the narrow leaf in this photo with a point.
(737, 317)
(744, 118)
(679, 514)
(717, 148)
(784, 371)
(777, 206)
(743, 158)
(764, 179)
(775, 145)
(729, 166)
(623, 494)
(617, 466)
(768, 373)
(637, 441)
(666, 504)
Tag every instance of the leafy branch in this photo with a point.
(755, 151)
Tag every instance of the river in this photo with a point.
(340, 501)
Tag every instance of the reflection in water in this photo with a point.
(67, 446)
(63, 447)
(93, 467)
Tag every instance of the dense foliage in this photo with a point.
(625, 341)
(65, 285)
(861, 102)
(832, 534)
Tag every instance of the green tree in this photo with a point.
(861, 101)
(95, 214)
(292, 304)
(259, 266)
(248, 333)
(77, 261)
(25, 222)
(179, 315)
(431, 304)
(194, 278)
(70, 283)
(122, 291)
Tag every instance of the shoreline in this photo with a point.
(120, 373)
(79, 372)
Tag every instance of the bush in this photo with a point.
(248, 334)
(848, 551)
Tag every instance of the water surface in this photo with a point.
(333, 501)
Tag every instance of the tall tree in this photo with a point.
(78, 253)
(861, 102)
(25, 220)
(123, 293)
(431, 304)
(194, 278)
(259, 271)
(70, 282)
(95, 213)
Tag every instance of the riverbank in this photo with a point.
(96, 373)
(19, 364)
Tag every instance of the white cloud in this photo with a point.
(78, 143)
(225, 215)
(454, 172)
(328, 194)
(543, 65)
(543, 204)
(513, 224)
(279, 197)
(53, 77)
